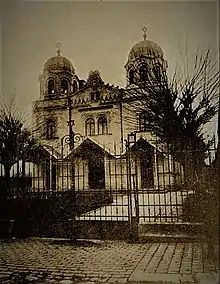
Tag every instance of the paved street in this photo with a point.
(59, 261)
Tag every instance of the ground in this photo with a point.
(59, 261)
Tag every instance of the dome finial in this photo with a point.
(144, 32)
(58, 48)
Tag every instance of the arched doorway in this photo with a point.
(96, 172)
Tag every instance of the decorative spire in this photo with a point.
(144, 33)
(58, 48)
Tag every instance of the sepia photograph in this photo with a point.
(109, 141)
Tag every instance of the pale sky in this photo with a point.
(96, 35)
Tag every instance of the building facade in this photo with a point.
(101, 118)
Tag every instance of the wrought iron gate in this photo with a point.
(107, 194)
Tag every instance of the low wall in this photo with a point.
(38, 214)
(190, 229)
(103, 230)
(86, 229)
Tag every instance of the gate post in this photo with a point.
(129, 187)
(133, 215)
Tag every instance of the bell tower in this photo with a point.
(58, 77)
(145, 63)
(50, 113)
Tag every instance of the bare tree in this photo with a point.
(16, 140)
(176, 110)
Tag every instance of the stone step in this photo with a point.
(195, 230)
(172, 237)
(163, 232)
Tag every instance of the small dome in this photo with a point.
(58, 63)
(145, 48)
(94, 79)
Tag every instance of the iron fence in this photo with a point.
(147, 183)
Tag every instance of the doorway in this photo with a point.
(147, 177)
(96, 172)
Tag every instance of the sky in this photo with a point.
(96, 35)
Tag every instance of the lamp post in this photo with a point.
(70, 123)
(70, 139)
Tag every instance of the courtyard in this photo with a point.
(162, 207)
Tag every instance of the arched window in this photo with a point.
(92, 96)
(74, 86)
(64, 86)
(51, 86)
(90, 127)
(97, 95)
(143, 73)
(102, 125)
(50, 129)
(157, 71)
(131, 77)
(143, 122)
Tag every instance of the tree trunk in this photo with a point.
(4, 189)
(23, 168)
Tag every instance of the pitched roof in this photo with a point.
(143, 142)
(87, 146)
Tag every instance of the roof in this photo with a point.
(58, 63)
(145, 48)
(144, 142)
(90, 146)
(87, 146)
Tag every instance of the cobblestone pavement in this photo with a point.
(55, 261)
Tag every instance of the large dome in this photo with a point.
(146, 48)
(58, 63)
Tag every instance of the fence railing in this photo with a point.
(147, 182)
